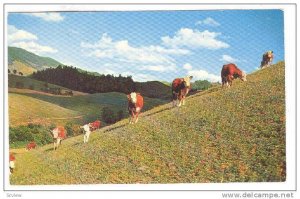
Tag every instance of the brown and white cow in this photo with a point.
(267, 59)
(87, 131)
(12, 160)
(135, 105)
(230, 72)
(95, 125)
(59, 133)
(31, 145)
(180, 89)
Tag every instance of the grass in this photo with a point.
(27, 82)
(21, 67)
(28, 107)
(221, 135)
(24, 109)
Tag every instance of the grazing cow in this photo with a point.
(12, 160)
(95, 125)
(31, 145)
(267, 59)
(230, 72)
(87, 132)
(59, 133)
(135, 105)
(180, 89)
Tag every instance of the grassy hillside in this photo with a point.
(221, 135)
(21, 67)
(29, 59)
(28, 82)
(154, 89)
(78, 109)
(24, 109)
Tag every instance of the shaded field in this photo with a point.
(221, 135)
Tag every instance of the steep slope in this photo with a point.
(221, 135)
(26, 62)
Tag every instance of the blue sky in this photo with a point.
(152, 45)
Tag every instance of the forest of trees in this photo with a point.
(70, 77)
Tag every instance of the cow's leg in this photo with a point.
(183, 100)
(136, 120)
(84, 138)
(174, 102)
(87, 136)
(175, 98)
(180, 103)
(136, 117)
(11, 170)
(57, 143)
(229, 81)
(180, 97)
(54, 144)
(131, 117)
(11, 166)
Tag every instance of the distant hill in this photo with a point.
(27, 62)
(221, 135)
(154, 89)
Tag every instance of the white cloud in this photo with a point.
(187, 66)
(152, 58)
(48, 16)
(158, 68)
(14, 34)
(34, 47)
(186, 37)
(204, 75)
(208, 21)
(228, 59)
(26, 40)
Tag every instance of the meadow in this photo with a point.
(220, 135)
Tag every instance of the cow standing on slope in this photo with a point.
(95, 125)
(12, 160)
(87, 132)
(180, 89)
(267, 59)
(59, 133)
(230, 72)
(135, 105)
(31, 145)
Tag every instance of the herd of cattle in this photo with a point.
(180, 89)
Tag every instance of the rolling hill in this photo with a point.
(154, 89)
(27, 62)
(28, 83)
(220, 135)
(33, 107)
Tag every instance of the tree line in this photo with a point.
(70, 77)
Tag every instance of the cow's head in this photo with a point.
(187, 81)
(132, 97)
(243, 77)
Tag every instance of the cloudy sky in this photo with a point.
(154, 45)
